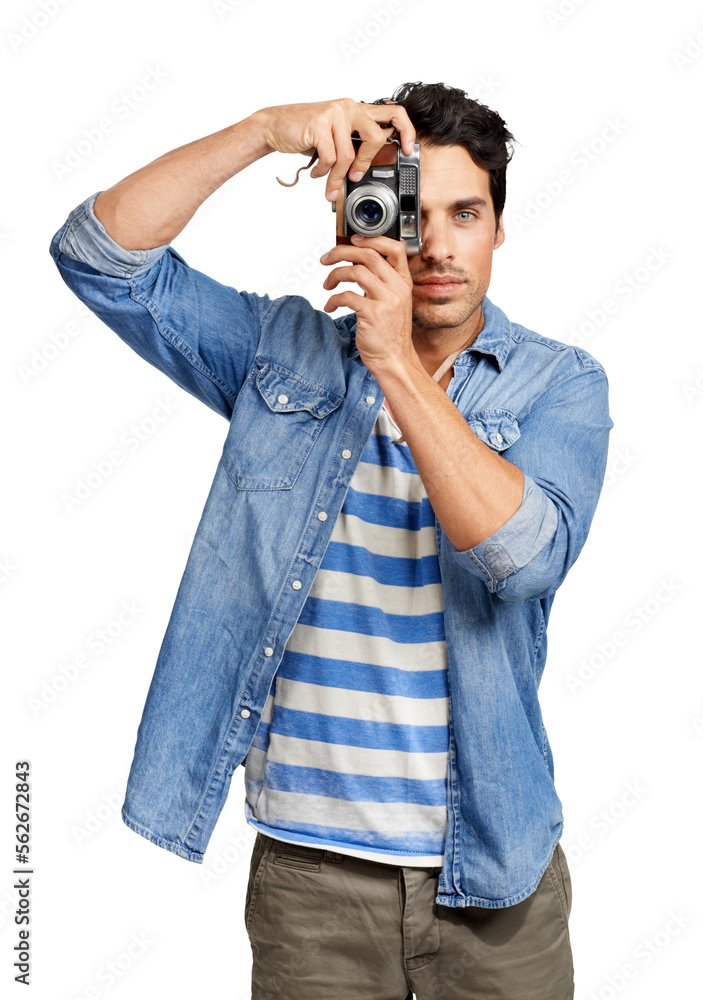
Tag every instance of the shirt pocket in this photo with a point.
(277, 418)
(495, 427)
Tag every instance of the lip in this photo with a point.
(439, 285)
(438, 279)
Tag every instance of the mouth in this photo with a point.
(439, 286)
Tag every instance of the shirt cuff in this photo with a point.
(516, 542)
(83, 237)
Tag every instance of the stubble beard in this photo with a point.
(438, 315)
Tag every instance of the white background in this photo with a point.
(631, 218)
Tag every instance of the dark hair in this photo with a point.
(446, 116)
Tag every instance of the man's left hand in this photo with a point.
(384, 312)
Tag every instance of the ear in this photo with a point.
(499, 238)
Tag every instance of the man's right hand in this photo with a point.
(326, 126)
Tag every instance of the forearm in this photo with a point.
(473, 490)
(153, 205)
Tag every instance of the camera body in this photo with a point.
(386, 201)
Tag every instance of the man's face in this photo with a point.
(458, 237)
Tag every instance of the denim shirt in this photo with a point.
(301, 405)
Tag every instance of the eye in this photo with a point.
(466, 212)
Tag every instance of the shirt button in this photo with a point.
(282, 399)
(370, 400)
(296, 585)
(346, 453)
(498, 438)
(322, 516)
(268, 651)
(245, 713)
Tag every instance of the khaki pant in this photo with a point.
(328, 926)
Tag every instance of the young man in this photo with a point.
(362, 617)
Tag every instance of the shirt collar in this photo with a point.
(494, 338)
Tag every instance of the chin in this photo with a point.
(448, 311)
(440, 314)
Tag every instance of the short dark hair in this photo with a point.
(446, 116)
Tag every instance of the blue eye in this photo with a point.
(470, 214)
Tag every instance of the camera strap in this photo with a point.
(392, 134)
(307, 167)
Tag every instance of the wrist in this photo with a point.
(398, 368)
(259, 125)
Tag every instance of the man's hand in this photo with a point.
(384, 312)
(327, 126)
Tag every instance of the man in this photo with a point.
(362, 617)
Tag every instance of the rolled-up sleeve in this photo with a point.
(83, 237)
(562, 451)
(200, 333)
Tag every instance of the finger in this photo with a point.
(398, 117)
(365, 278)
(349, 299)
(394, 252)
(367, 257)
(326, 155)
(373, 138)
(344, 156)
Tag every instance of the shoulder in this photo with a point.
(568, 357)
(524, 349)
(534, 367)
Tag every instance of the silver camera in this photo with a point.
(386, 201)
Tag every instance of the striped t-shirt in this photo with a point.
(351, 750)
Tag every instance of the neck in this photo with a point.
(444, 342)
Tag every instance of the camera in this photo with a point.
(386, 201)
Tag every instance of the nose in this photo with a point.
(437, 241)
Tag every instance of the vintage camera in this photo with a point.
(386, 201)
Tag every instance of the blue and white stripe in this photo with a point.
(351, 750)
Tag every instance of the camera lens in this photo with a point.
(369, 211)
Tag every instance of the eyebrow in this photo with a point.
(466, 203)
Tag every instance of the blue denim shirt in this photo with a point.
(301, 405)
